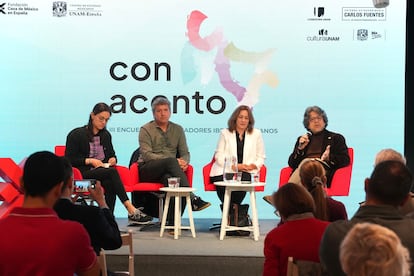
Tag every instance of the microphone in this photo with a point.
(309, 134)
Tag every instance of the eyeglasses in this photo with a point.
(314, 119)
(276, 212)
(102, 119)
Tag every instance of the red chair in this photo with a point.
(60, 151)
(77, 175)
(11, 193)
(211, 187)
(134, 185)
(341, 180)
(208, 186)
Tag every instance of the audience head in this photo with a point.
(232, 123)
(389, 154)
(371, 249)
(293, 199)
(42, 172)
(311, 113)
(390, 183)
(98, 118)
(312, 176)
(160, 100)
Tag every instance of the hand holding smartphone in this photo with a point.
(81, 186)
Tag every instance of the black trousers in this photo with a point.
(111, 182)
(159, 171)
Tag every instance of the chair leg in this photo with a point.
(102, 262)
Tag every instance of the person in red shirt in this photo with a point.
(34, 241)
(300, 234)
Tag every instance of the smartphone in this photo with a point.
(81, 186)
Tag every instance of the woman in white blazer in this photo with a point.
(240, 139)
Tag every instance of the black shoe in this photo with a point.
(239, 233)
(197, 204)
(139, 217)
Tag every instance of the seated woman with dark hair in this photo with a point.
(89, 148)
(313, 178)
(300, 234)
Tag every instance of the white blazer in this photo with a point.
(253, 151)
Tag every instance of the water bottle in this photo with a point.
(230, 169)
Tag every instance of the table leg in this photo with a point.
(224, 219)
(190, 215)
(165, 213)
(177, 216)
(254, 215)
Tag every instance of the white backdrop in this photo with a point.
(277, 56)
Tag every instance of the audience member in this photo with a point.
(371, 249)
(327, 147)
(300, 234)
(89, 148)
(312, 176)
(164, 151)
(390, 154)
(98, 221)
(243, 141)
(386, 190)
(34, 241)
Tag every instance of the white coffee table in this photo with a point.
(238, 186)
(177, 193)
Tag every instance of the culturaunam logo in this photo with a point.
(323, 36)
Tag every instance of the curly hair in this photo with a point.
(318, 110)
(371, 249)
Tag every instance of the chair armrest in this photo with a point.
(124, 174)
(133, 173)
(189, 173)
(206, 177)
(284, 175)
(77, 175)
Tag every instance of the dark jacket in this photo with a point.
(338, 157)
(99, 222)
(77, 147)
